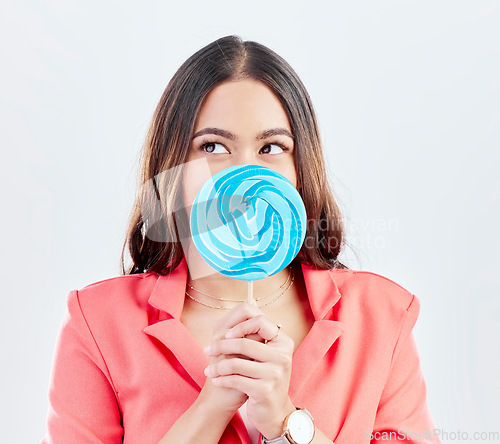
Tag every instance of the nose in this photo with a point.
(246, 155)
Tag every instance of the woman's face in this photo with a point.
(240, 122)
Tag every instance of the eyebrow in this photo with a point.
(274, 132)
(229, 135)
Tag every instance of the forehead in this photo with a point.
(242, 102)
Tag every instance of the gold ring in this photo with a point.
(275, 336)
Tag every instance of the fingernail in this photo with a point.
(207, 349)
(207, 371)
(229, 334)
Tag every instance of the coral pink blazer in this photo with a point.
(125, 367)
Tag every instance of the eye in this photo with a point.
(213, 148)
(273, 148)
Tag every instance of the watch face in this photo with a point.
(301, 427)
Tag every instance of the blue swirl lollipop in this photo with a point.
(248, 222)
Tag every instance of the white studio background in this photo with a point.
(407, 96)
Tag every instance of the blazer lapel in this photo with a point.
(323, 294)
(168, 298)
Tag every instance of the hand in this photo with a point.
(259, 370)
(223, 399)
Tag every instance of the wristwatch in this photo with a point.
(298, 428)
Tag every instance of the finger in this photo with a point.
(238, 314)
(259, 325)
(243, 367)
(248, 348)
(256, 389)
(251, 349)
(253, 337)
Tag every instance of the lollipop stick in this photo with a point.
(250, 298)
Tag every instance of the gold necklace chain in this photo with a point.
(219, 307)
(242, 300)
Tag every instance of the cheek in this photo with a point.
(290, 173)
(188, 193)
(195, 174)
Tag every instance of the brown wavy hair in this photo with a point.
(152, 238)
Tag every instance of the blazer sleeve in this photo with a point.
(403, 415)
(83, 406)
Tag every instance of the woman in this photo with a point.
(168, 352)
